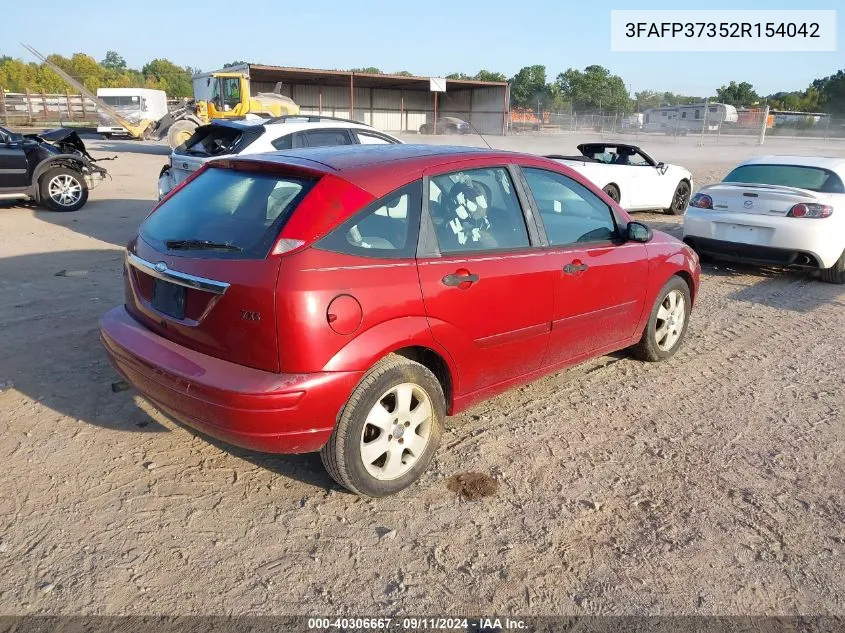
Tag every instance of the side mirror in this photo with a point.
(638, 232)
(661, 167)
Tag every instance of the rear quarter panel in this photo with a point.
(390, 303)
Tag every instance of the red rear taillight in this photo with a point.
(810, 211)
(701, 201)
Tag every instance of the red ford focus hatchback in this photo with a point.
(346, 299)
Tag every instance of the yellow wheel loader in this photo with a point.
(229, 98)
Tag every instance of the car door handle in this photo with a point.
(456, 279)
(571, 269)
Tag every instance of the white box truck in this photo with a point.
(134, 104)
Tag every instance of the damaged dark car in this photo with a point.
(52, 168)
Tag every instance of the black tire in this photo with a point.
(73, 178)
(424, 128)
(836, 273)
(180, 132)
(342, 453)
(680, 201)
(648, 349)
(613, 192)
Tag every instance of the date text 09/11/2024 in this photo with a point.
(722, 29)
(417, 624)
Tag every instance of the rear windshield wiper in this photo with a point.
(199, 245)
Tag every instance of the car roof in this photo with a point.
(380, 169)
(825, 162)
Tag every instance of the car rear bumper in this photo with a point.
(764, 239)
(254, 409)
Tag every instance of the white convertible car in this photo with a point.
(782, 210)
(631, 177)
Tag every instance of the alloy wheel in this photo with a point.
(671, 317)
(64, 190)
(396, 432)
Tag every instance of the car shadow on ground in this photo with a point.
(51, 350)
(52, 354)
(114, 221)
(306, 467)
(794, 289)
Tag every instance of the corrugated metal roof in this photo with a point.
(291, 74)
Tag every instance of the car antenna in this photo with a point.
(480, 135)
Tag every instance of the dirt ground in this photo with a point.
(711, 484)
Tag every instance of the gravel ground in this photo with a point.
(710, 484)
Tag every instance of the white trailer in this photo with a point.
(688, 118)
(134, 104)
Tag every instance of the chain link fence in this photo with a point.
(751, 126)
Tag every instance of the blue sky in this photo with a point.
(432, 37)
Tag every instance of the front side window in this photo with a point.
(387, 228)
(476, 210)
(570, 212)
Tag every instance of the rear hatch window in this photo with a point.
(225, 213)
(218, 140)
(802, 177)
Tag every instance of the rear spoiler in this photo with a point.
(290, 165)
(756, 185)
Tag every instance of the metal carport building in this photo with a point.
(393, 103)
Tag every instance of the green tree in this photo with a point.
(738, 94)
(831, 92)
(458, 76)
(404, 73)
(165, 75)
(486, 75)
(528, 87)
(113, 61)
(593, 89)
(646, 99)
(368, 70)
(796, 101)
(235, 63)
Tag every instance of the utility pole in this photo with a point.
(704, 121)
(765, 123)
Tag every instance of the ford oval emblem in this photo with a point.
(748, 204)
(160, 267)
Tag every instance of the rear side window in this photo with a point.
(367, 138)
(387, 228)
(225, 213)
(811, 178)
(476, 210)
(326, 138)
(283, 142)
